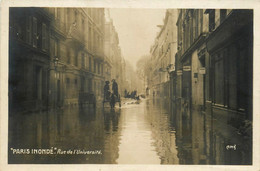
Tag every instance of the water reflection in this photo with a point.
(155, 131)
(136, 144)
(112, 133)
(202, 139)
(162, 131)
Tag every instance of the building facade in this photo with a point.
(29, 59)
(232, 62)
(214, 79)
(114, 55)
(191, 83)
(163, 56)
(60, 54)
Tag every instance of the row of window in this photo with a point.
(33, 32)
(86, 62)
(190, 28)
(79, 23)
(192, 24)
(229, 78)
(85, 85)
(213, 18)
(68, 83)
(92, 34)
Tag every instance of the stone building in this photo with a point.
(214, 80)
(113, 53)
(163, 55)
(80, 53)
(191, 60)
(230, 46)
(56, 55)
(154, 76)
(29, 59)
(132, 81)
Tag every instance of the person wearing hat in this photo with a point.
(115, 87)
(106, 90)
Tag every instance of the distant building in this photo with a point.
(163, 55)
(114, 55)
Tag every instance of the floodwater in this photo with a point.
(149, 132)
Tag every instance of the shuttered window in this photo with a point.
(219, 79)
(82, 60)
(34, 32)
(56, 48)
(44, 39)
(68, 56)
(29, 30)
(211, 20)
(90, 68)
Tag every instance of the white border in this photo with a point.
(242, 4)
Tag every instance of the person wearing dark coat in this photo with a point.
(106, 90)
(112, 101)
(115, 87)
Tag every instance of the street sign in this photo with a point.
(179, 72)
(186, 68)
(202, 70)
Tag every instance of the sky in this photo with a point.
(137, 29)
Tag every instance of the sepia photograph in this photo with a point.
(136, 86)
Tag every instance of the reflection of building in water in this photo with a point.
(204, 140)
(111, 136)
(73, 128)
(164, 136)
(198, 140)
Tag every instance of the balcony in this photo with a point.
(99, 55)
(75, 39)
(44, 11)
(59, 27)
(78, 35)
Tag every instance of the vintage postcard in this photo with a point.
(129, 85)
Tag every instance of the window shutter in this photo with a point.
(29, 30)
(34, 32)
(44, 41)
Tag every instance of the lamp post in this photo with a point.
(55, 61)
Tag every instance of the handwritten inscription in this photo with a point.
(231, 147)
(54, 150)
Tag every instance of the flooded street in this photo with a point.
(136, 137)
(145, 133)
(129, 85)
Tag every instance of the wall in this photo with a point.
(197, 83)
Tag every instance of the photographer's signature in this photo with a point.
(231, 147)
